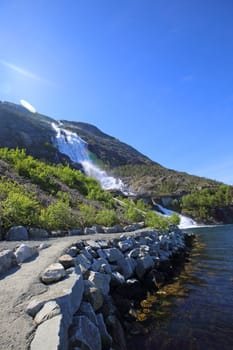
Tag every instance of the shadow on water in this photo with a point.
(195, 311)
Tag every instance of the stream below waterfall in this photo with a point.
(195, 311)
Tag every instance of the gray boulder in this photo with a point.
(126, 244)
(113, 229)
(89, 231)
(134, 253)
(67, 261)
(106, 339)
(72, 251)
(86, 309)
(25, 252)
(83, 262)
(34, 307)
(38, 233)
(85, 334)
(7, 260)
(94, 296)
(94, 245)
(113, 254)
(117, 279)
(49, 310)
(53, 273)
(100, 281)
(76, 232)
(127, 267)
(17, 233)
(143, 265)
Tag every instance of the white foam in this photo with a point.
(185, 221)
(76, 149)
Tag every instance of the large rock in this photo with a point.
(106, 339)
(113, 229)
(89, 231)
(34, 307)
(143, 265)
(76, 232)
(117, 279)
(50, 335)
(68, 294)
(100, 281)
(35, 232)
(134, 227)
(7, 260)
(127, 267)
(126, 244)
(49, 310)
(131, 289)
(86, 309)
(25, 252)
(113, 254)
(94, 296)
(17, 233)
(94, 245)
(85, 334)
(67, 261)
(53, 273)
(83, 262)
(119, 341)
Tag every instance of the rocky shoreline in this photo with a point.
(93, 289)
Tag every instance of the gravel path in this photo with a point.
(18, 286)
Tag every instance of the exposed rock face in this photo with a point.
(17, 233)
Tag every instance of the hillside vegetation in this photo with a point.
(57, 197)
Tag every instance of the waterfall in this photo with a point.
(70, 144)
(185, 221)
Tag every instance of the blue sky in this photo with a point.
(156, 74)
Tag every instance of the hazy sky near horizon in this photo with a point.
(156, 74)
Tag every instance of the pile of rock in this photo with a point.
(21, 233)
(95, 283)
(10, 258)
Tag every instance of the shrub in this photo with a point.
(87, 215)
(19, 209)
(58, 216)
(107, 217)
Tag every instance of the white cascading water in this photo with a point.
(76, 149)
(185, 221)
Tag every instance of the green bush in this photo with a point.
(57, 216)
(19, 209)
(87, 215)
(107, 217)
(156, 221)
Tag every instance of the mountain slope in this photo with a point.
(23, 129)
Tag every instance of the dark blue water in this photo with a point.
(196, 311)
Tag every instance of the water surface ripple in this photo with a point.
(196, 311)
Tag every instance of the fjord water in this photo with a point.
(195, 312)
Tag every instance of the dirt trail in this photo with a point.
(18, 286)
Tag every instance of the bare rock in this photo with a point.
(53, 273)
(25, 252)
(7, 260)
(17, 233)
(67, 261)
